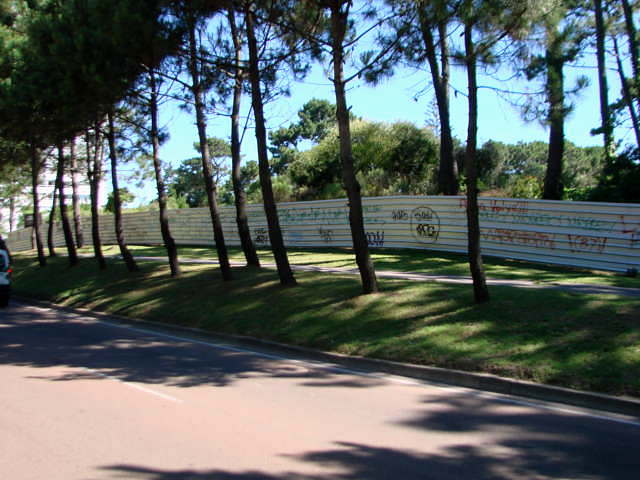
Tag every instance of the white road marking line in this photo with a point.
(133, 385)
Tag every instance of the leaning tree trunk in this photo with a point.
(605, 114)
(632, 37)
(210, 187)
(553, 187)
(275, 232)
(66, 226)
(52, 219)
(480, 290)
(242, 221)
(94, 173)
(360, 244)
(626, 93)
(447, 182)
(35, 172)
(77, 221)
(167, 238)
(117, 202)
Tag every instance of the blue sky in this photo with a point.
(391, 101)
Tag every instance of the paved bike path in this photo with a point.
(422, 277)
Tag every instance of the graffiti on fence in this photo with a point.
(375, 239)
(425, 225)
(521, 213)
(261, 236)
(338, 215)
(399, 215)
(586, 243)
(631, 230)
(519, 237)
(325, 235)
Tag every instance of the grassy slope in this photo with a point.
(579, 341)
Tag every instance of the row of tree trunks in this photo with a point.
(58, 191)
(95, 173)
(35, 174)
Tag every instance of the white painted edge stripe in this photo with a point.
(133, 385)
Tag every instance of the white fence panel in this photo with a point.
(603, 236)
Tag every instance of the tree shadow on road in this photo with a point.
(39, 339)
(511, 459)
(489, 441)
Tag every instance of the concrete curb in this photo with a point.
(478, 381)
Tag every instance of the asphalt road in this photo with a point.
(87, 399)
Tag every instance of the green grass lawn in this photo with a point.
(420, 261)
(579, 341)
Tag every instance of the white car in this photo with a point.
(5, 278)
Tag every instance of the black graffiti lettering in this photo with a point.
(399, 215)
(261, 238)
(375, 239)
(325, 235)
(426, 230)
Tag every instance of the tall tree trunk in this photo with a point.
(553, 187)
(339, 20)
(77, 220)
(480, 290)
(167, 238)
(634, 54)
(52, 219)
(626, 93)
(94, 173)
(12, 213)
(240, 197)
(275, 232)
(35, 173)
(605, 114)
(447, 182)
(117, 203)
(201, 122)
(632, 36)
(66, 226)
